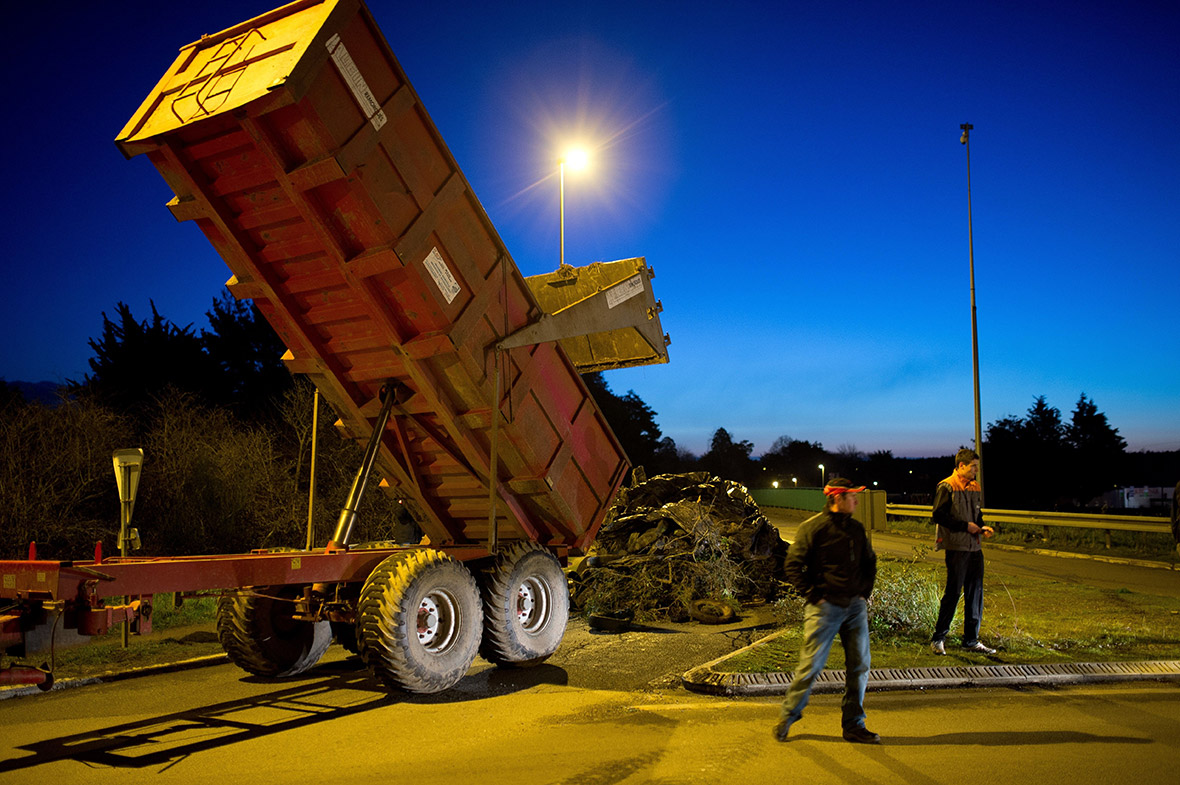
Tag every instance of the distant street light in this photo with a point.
(775, 484)
(576, 159)
(796, 481)
(965, 140)
(821, 474)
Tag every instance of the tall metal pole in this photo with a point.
(965, 139)
(315, 426)
(561, 207)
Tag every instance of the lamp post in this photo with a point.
(821, 474)
(576, 159)
(796, 481)
(128, 466)
(965, 140)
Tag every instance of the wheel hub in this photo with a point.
(437, 621)
(532, 605)
(525, 603)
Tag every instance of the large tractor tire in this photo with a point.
(526, 606)
(419, 621)
(260, 636)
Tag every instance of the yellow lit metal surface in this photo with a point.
(614, 315)
(225, 71)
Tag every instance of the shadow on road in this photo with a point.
(328, 692)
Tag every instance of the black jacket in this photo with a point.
(957, 503)
(831, 559)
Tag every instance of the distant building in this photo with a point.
(1141, 498)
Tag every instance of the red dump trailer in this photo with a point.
(298, 146)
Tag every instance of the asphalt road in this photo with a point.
(605, 709)
(336, 725)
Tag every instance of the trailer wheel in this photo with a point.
(419, 621)
(526, 606)
(260, 636)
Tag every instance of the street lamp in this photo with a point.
(775, 484)
(576, 159)
(796, 481)
(965, 140)
(821, 474)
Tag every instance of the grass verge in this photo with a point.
(177, 634)
(1028, 620)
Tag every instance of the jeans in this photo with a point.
(964, 575)
(820, 625)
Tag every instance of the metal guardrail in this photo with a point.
(1047, 520)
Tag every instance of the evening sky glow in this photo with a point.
(792, 171)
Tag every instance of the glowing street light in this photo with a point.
(576, 158)
(796, 481)
(821, 474)
(775, 484)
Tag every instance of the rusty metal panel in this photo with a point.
(327, 190)
(614, 319)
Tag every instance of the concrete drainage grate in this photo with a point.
(705, 679)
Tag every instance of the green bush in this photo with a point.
(906, 597)
(57, 482)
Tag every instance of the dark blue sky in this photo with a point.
(791, 170)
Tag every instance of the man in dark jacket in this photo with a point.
(958, 512)
(833, 567)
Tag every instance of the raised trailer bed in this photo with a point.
(298, 146)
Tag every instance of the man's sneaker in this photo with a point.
(979, 648)
(781, 730)
(938, 647)
(861, 735)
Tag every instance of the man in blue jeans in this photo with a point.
(958, 513)
(833, 567)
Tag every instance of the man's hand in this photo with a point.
(988, 531)
(972, 528)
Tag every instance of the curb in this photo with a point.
(706, 679)
(111, 676)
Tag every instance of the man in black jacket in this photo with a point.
(833, 567)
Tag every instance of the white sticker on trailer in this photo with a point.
(356, 82)
(620, 293)
(442, 275)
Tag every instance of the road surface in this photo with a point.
(336, 725)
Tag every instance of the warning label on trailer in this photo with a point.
(352, 77)
(624, 291)
(442, 275)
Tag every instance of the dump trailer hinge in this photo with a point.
(389, 395)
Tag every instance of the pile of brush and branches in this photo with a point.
(679, 546)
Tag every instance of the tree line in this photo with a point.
(227, 433)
